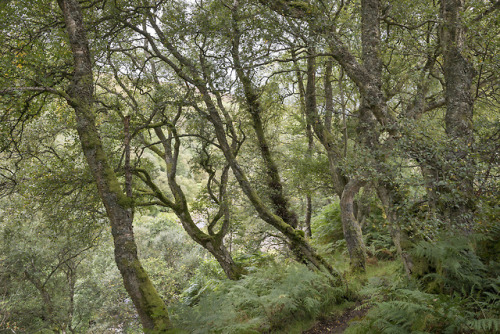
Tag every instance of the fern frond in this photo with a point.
(489, 325)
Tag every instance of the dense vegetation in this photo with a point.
(249, 166)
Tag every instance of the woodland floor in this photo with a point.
(337, 324)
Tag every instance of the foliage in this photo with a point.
(153, 60)
(378, 240)
(328, 235)
(327, 230)
(379, 244)
(414, 311)
(449, 265)
(456, 293)
(264, 300)
(38, 271)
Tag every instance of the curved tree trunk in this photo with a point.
(190, 74)
(274, 184)
(149, 305)
(232, 270)
(346, 190)
(284, 219)
(213, 242)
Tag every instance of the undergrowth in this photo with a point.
(261, 302)
(454, 290)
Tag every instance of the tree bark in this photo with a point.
(149, 305)
(458, 74)
(352, 230)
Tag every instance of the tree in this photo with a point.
(51, 221)
(159, 130)
(79, 94)
(159, 91)
(197, 74)
(377, 113)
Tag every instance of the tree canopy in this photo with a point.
(217, 146)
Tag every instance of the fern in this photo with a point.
(490, 325)
(455, 264)
(327, 230)
(262, 301)
(403, 310)
(455, 292)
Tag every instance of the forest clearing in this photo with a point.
(249, 166)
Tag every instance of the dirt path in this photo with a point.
(337, 324)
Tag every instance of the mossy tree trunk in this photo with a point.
(149, 305)
(211, 241)
(346, 189)
(387, 198)
(302, 250)
(279, 200)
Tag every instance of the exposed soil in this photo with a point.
(337, 324)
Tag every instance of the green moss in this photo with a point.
(130, 246)
(153, 304)
(92, 142)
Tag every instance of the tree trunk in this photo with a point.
(352, 230)
(71, 281)
(48, 306)
(302, 250)
(307, 220)
(387, 199)
(191, 75)
(405, 257)
(232, 270)
(310, 138)
(150, 307)
(274, 184)
(345, 189)
(322, 129)
(284, 219)
(459, 75)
